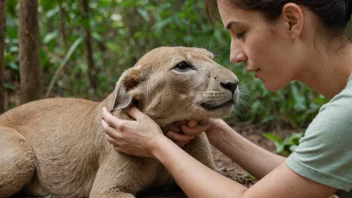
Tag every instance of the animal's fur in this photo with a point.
(57, 146)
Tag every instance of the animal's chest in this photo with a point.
(163, 178)
(160, 181)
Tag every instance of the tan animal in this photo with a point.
(58, 146)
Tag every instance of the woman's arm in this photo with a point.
(143, 138)
(197, 180)
(254, 159)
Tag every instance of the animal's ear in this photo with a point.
(130, 79)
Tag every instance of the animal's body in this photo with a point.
(58, 146)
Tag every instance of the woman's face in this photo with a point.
(266, 49)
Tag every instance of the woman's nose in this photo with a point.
(237, 57)
(237, 54)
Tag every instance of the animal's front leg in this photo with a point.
(200, 149)
(122, 176)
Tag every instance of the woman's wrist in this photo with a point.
(158, 143)
(216, 132)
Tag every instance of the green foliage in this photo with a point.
(122, 31)
(293, 106)
(285, 146)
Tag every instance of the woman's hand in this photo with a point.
(190, 131)
(212, 127)
(135, 137)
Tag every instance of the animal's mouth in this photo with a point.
(210, 107)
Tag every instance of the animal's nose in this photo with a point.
(232, 86)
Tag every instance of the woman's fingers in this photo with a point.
(110, 139)
(135, 113)
(175, 129)
(179, 137)
(109, 118)
(134, 137)
(194, 128)
(108, 129)
(192, 131)
(119, 149)
(192, 123)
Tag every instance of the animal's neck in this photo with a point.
(108, 103)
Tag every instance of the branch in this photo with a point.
(63, 63)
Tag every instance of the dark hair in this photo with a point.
(334, 14)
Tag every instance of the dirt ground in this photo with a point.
(226, 166)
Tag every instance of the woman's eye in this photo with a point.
(240, 35)
(183, 65)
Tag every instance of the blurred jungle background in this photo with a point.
(79, 48)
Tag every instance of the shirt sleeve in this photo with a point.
(324, 154)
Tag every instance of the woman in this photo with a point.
(280, 41)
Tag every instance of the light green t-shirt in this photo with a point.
(324, 153)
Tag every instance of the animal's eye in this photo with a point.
(183, 66)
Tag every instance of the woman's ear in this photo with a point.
(293, 16)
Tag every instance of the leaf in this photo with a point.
(276, 140)
(300, 101)
(267, 119)
(13, 49)
(293, 139)
(160, 25)
(52, 12)
(49, 37)
(143, 13)
(11, 87)
(273, 138)
(256, 105)
(13, 65)
(96, 36)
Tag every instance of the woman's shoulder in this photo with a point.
(340, 106)
(335, 117)
(324, 153)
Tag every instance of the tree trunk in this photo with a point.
(136, 23)
(30, 71)
(88, 52)
(2, 46)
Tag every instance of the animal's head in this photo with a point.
(178, 83)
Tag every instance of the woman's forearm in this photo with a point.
(254, 159)
(192, 176)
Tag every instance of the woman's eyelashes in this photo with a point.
(240, 35)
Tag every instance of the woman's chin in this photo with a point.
(273, 86)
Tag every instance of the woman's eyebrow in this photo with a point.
(228, 26)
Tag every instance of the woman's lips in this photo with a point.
(257, 73)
